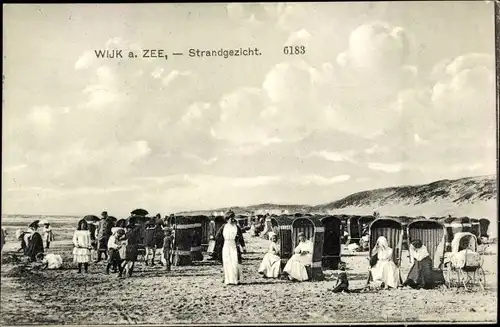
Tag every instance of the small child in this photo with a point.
(114, 245)
(342, 284)
(48, 235)
(49, 261)
(167, 245)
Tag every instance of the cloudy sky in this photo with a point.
(386, 94)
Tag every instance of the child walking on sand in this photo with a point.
(114, 245)
(167, 247)
(342, 284)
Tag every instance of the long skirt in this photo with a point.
(386, 271)
(211, 247)
(81, 255)
(103, 243)
(422, 275)
(131, 252)
(270, 266)
(230, 262)
(296, 267)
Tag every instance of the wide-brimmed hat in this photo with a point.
(34, 224)
(230, 214)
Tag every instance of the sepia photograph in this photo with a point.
(250, 163)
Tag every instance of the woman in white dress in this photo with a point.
(295, 268)
(270, 266)
(384, 270)
(83, 246)
(230, 240)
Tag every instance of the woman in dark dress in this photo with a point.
(133, 236)
(421, 274)
(35, 245)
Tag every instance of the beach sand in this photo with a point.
(196, 294)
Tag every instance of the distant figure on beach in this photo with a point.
(34, 241)
(384, 270)
(270, 266)
(48, 235)
(342, 283)
(230, 242)
(82, 243)
(295, 268)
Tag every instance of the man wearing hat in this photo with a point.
(103, 234)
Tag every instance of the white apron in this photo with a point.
(230, 255)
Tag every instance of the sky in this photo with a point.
(386, 94)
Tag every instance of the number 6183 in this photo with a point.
(294, 50)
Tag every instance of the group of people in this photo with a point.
(383, 270)
(34, 245)
(120, 243)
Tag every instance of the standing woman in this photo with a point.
(35, 242)
(83, 246)
(231, 239)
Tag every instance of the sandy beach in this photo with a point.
(196, 294)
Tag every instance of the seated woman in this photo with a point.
(383, 269)
(270, 266)
(421, 273)
(296, 266)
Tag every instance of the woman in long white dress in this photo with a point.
(230, 239)
(270, 266)
(295, 268)
(384, 271)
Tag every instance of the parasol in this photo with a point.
(91, 219)
(140, 212)
(121, 223)
(138, 220)
(113, 219)
(35, 224)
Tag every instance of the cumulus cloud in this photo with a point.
(385, 167)
(335, 156)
